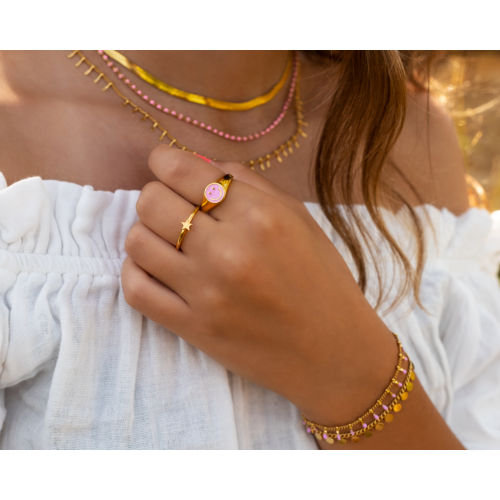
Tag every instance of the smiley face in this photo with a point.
(215, 193)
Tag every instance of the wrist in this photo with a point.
(364, 370)
(383, 411)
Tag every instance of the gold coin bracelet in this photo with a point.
(359, 428)
(263, 161)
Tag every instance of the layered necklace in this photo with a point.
(118, 77)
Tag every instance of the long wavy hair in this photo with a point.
(365, 118)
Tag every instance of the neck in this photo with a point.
(229, 75)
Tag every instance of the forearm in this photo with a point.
(235, 292)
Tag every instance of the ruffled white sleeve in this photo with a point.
(473, 308)
(455, 339)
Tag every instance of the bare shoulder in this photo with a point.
(427, 153)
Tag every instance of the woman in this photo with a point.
(176, 326)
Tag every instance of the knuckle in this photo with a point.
(169, 163)
(147, 199)
(263, 220)
(134, 292)
(135, 240)
(237, 264)
(176, 170)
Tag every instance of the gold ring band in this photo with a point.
(215, 193)
(186, 226)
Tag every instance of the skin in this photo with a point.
(235, 290)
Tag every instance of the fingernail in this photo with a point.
(207, 159)
(203, 158)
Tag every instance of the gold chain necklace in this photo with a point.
(199, 99)
(263, 162)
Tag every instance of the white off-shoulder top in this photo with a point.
(80, 369)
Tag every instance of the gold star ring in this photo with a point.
(186, 226)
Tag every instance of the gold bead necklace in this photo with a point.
(199, 99)
(264, 161)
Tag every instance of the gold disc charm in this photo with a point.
(330, 440)
(389, 418)
(379, 427)
(409, 387)
(368, 434)
(404, 396)
(343, 442)
(412, 376)
(397, 408)
(318, 436)
(355, 439)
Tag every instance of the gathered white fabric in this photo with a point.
(80, 369)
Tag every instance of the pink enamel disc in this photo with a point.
(215, 193)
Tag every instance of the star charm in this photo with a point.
(186, 225)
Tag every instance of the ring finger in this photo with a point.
(166, 214)
(159, 259)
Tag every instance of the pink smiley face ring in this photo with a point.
(215, 193)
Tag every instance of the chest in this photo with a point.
(107, 147)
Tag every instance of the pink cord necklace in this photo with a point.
(201, 125)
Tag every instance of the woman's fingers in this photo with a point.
(165, 213)
(252, 178)
(188, 175)
(151, 298)
(184, 173)
(158, 258)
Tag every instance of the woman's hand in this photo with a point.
(258, 287)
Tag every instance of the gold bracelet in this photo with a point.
(359, 428)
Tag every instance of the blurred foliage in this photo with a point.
(469, 85)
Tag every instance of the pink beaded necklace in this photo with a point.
(201, 125)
